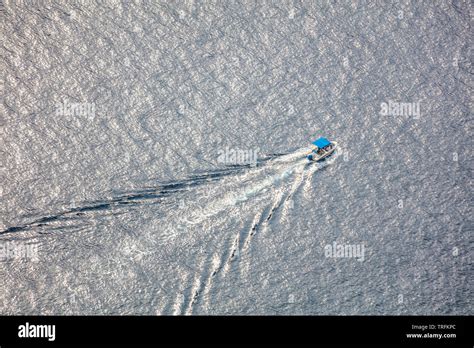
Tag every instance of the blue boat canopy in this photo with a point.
(321, 142)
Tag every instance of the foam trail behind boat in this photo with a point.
(285, 166)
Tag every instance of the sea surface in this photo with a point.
(152, 157)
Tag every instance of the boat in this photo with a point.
(322, 148)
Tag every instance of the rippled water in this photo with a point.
(130, 209)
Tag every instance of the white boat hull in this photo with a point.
(317, 157)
